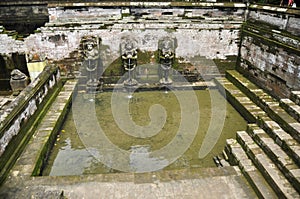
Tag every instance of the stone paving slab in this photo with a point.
(202, 183)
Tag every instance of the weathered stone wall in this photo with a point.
(277, 18)
(23, 18)
(270, 49)
(8, 44)
(208, 32)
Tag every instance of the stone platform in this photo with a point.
(224, 182)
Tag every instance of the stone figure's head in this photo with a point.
(167, 46)
(17, 75)
(90, 46)
(128, 47)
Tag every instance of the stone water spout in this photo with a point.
(166, 53)
(129, 60)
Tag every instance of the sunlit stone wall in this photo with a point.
(209, 32)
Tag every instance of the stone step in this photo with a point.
(291, 107)
(248, 109)
(253, 176)
(282, 138)
(268, 169)
(281, 159)
(269, 104)
(295, 97)
(209, 76)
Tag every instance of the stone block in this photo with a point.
(295, 96)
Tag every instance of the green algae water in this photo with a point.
(71, 156)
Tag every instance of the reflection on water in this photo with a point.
(71, 157)
(140, 159)
(70, 161)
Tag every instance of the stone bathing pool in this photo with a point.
(80, 149)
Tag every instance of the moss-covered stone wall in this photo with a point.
(19, 119)
(270, 49)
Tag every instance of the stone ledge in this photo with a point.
(292, 108)
(295, 96)
(288, 10)
(147, 4)
(282, 138)
(249, 110)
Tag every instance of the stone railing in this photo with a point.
(25, 104)
(16, 120)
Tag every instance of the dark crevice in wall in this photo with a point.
(24, 29)
(8, 63)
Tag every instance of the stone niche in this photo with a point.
(8, 63)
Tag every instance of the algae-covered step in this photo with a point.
(279, 157)
(265, 165)
(291, 107)
(251, 173)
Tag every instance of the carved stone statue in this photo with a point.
(166, 53)
(129, 59)
(18, 81)
(91, 54)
